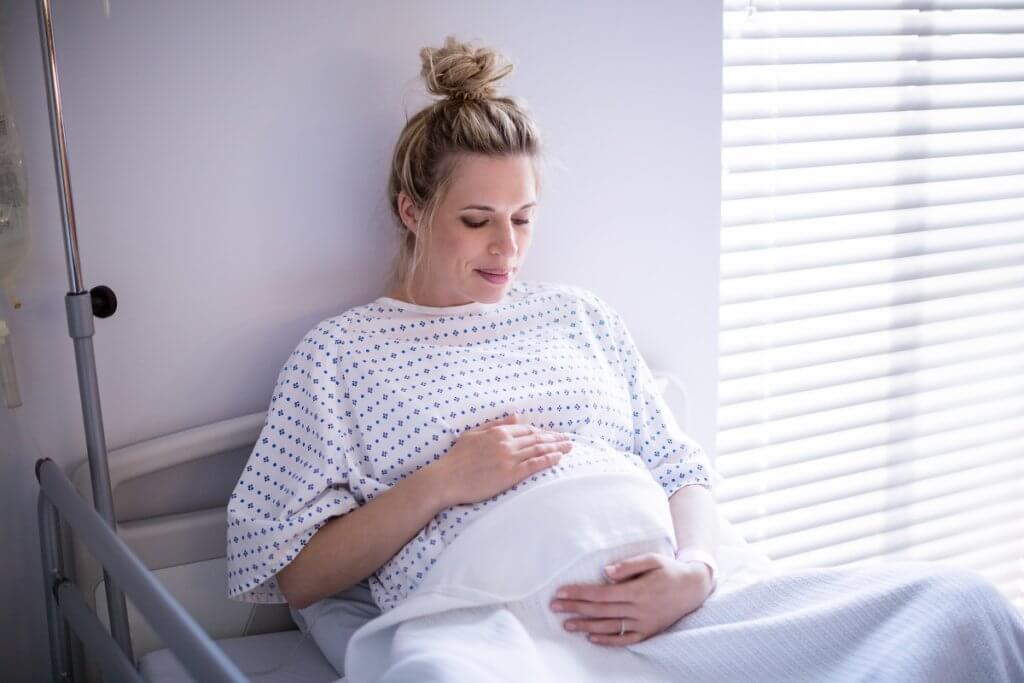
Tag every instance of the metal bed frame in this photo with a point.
(197, 652)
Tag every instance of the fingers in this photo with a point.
(543, 449)
(601, 626)
(627, 638)
(606, 631)
(539, 436)
(595, 609)
(512, 424)
(515, 428)
(506, 420)
(593, 592)
(520, 430)
(634, 566)
(550, 454)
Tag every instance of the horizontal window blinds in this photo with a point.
(872, 292)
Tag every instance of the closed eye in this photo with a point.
(470, 224)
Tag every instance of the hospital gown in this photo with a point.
(374, 394)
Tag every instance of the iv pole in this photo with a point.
(81, 306)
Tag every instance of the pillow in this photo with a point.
(332, 621)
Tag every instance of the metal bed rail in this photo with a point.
(195, 650)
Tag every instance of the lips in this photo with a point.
(495, 277)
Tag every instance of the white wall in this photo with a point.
(228, 166)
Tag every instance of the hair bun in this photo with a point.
(458, 71)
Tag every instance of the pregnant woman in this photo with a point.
(493, 455)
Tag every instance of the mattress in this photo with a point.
(253, 654)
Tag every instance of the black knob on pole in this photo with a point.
(104, 302)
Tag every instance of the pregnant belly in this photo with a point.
(527, 538)
(587, 457)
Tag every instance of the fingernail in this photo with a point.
(610, 569)
(562, 594)
(569, 626)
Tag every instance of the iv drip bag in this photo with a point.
(14, 232)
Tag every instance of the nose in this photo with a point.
(504, 242)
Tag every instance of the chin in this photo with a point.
(490, 293)
(492, 297)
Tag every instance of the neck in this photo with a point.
(417, 293)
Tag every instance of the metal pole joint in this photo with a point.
(80, 318)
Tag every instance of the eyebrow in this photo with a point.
(481, 207)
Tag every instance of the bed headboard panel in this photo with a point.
(170, 500)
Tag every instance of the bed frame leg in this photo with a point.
(49, 543)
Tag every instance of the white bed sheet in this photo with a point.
(303, 662)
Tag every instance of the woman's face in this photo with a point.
(480, 231)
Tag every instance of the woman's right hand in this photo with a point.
(496, 456)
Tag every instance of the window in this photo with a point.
(872, 294)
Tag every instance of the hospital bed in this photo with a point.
(170, 497)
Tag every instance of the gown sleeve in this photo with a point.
(297, 476)
(673, 457)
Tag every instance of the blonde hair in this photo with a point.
(470, 119)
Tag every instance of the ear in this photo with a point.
(408, 212)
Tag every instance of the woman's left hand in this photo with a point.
(650, 592)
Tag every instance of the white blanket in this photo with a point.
(498, 577)
(482, 613)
